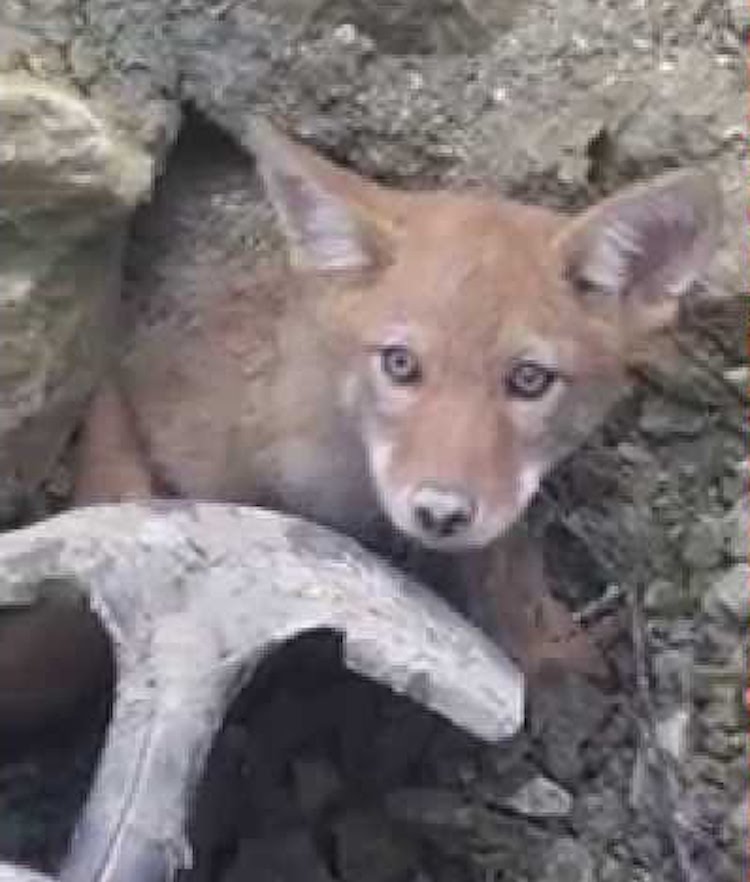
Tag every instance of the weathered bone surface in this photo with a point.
(193, 597)
(20, 874)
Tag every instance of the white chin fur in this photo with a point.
(488, 527)
(528, 484)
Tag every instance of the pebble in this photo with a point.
(730, 596)
(660, 596)
(703, 544)
(737, 531)
(540, 798)
(567, 860)
(672, 733)
(346, 34)
(663, 422)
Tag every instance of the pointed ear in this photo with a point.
(333, 219)
(647, 246)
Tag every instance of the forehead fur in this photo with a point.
(477, 272)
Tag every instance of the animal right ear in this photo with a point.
(646, 246)
(332, 218)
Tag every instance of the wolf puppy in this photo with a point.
(411, 369)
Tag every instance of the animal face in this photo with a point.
(475, 370)
(480, 340)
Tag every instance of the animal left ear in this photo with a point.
(646, 246)
(333, 219)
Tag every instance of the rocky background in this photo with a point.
(318, 776)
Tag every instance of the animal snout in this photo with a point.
(442, 512)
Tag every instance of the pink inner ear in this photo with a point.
(655, 241)
(322, 230)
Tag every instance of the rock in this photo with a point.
(540, 798)
(672, 733)
(737, 531)
(381, 86)
(562, 721)
(566, 860)
(418, 27)
(673, 672)
(730, 596)
(738, 825)
(703, 544)
(663, 596)
(600, 814)
(739, 377)
(69, 183)
(661, 422)
(290, 857)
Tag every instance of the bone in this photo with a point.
(10, 873)
(193, 597)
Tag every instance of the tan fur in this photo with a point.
(274, 393)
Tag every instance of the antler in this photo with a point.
(193, 597)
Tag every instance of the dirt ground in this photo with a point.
(320, 777)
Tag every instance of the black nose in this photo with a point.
(442, 513)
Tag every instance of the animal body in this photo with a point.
(408, 371)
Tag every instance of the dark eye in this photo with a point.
(400, 364)
(529, 380)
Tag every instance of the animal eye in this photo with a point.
(529, 380)
(400, 364)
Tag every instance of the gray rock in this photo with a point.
(673, 671)
(600, 814)
(606, 100)
(540, 798)
(563, 719)
(661, 421)
(738, 825)
(663, 596)
(739, 377)
(737, 531)
(69, 183)
(566, 860)
(730, 596)
(672, 733)
(703, 544)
